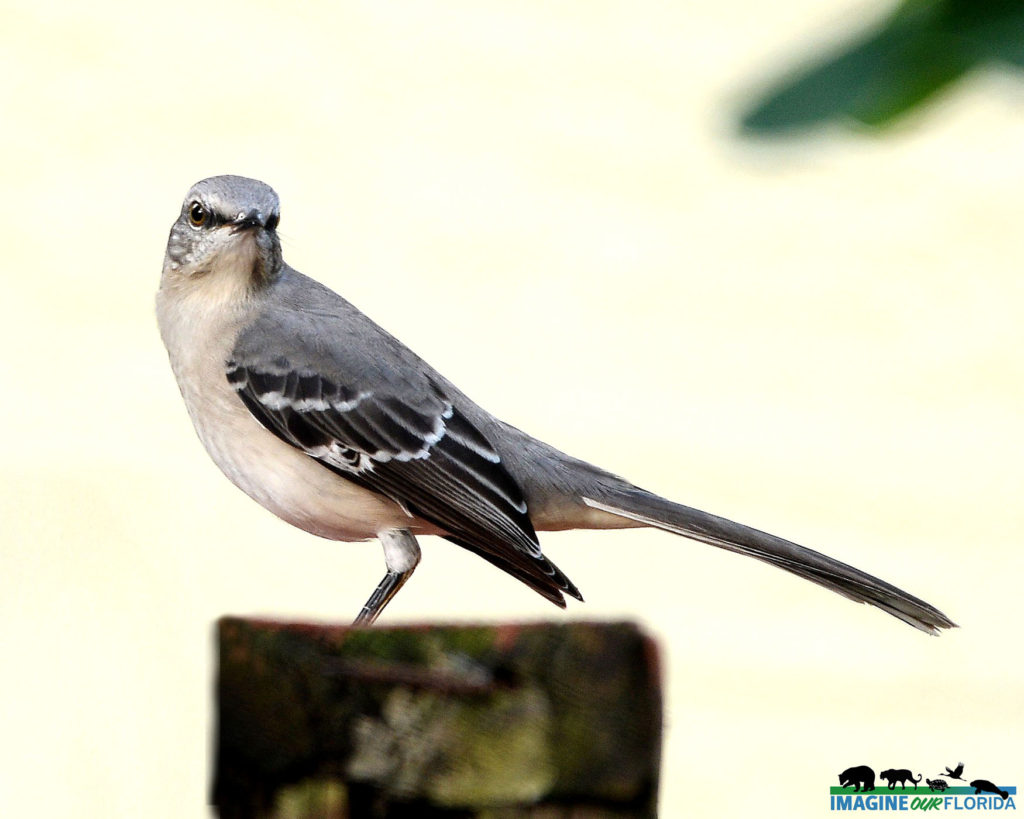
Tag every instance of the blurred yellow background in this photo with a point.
(821, 338)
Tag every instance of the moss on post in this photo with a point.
(492, 722)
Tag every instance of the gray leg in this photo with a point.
(401, 554)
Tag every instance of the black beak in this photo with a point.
(247, 221)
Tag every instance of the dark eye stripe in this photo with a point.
(200, 216)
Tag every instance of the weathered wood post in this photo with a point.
(544, 720)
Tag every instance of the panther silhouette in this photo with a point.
(901, 775)
(980, 785)
(861, 776)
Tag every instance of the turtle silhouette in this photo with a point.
(954, 773)
(981, 785)
(937, 784)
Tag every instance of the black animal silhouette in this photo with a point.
(902, 775)
(937, 784)
(980, 785)
(860, 776)
(954, 773)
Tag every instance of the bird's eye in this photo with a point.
(197, 214)
(273, 221)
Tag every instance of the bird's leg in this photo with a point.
(401, 554)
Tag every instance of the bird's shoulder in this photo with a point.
(305, 327)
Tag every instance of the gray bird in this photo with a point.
(335, 426)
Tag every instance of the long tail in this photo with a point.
(651, 510)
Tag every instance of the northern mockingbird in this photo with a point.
(335, 426)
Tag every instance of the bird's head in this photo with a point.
(225, 236)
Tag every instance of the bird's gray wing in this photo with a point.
(401, 437)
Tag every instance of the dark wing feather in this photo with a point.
(422, 453)
(550, 584)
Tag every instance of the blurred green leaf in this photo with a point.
(924, 46)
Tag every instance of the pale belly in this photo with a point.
(294, 486)
(278, 476)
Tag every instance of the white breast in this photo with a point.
(280, 477)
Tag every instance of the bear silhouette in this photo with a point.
(861, 776)
(901, 775)
(980, 785)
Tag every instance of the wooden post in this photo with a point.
(495, 722)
